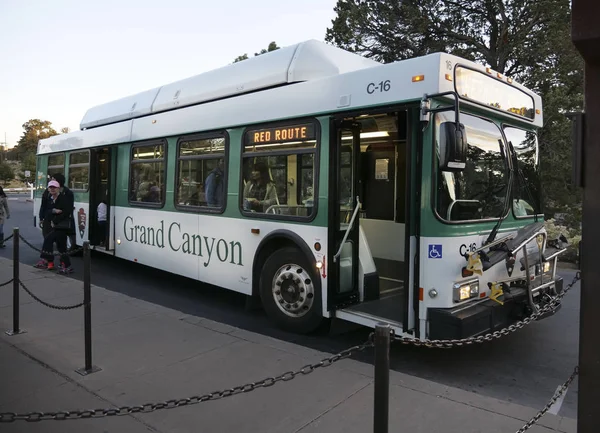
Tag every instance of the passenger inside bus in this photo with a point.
(213, 186)
(260, 192)
(148, 190)
(198, 198)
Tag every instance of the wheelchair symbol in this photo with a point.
(435, 251)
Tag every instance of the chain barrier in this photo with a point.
(553, 400)
(56, 307)
(8, 238)
(29, 244)
(55, 253)
(173, 403)
(7, 283)
(290, 375)
(447, 344)
(7, 417)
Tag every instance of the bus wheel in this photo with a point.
(289, 293)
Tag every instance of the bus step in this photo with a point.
(388, 286)
(390, 307)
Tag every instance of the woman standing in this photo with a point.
(4, 215)
(59, 213)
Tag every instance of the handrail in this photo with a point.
(358, 204)
(494, 243)
(525, 242)
(553, 255)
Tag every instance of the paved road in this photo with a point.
(523, 368)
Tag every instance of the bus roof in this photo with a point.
(305, 61)
(337, 81)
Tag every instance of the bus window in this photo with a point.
(479, 191)
(201, 172)
(79, 171)
(147, 175)
(278, 170)
(56, 164)
(305, 189)
(526, 197)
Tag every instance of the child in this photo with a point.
(101, 212)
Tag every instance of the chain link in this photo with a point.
(29, 244)
(56, 307)
(55, 253)
(7, 283)
(555, 397)
(170, 404)
(447, 344)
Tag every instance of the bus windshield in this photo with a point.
(526, 193)
(479, 191)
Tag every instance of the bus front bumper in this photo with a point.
(466, 321)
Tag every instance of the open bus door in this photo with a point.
(344, 219)
(100, 235)
(370, 245)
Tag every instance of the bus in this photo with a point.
(327, 186)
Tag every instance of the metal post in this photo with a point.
(87, 311)
(382, 379)
(586, 37)
(16, 330)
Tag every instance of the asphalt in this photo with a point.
(151, 353)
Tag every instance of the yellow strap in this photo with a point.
(474, 264)
(496, 291)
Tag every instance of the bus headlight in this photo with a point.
(466, 290)
(535, 270)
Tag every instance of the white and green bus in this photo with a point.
(327, 185)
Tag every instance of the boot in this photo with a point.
(2, 241)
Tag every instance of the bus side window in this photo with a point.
(147, 175)
(201, 172)
(279, 169)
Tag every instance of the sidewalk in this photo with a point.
(149, 353)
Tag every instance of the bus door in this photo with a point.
(344, 219)
(370, 262)
(100, 192)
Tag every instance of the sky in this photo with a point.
(58, 58)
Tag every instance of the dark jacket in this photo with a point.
(46, 200)
(64, 202)
(214, 187)
(44, 205)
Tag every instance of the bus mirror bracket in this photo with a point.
(455, 136)
(425, 109)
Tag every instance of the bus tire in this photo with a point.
(290, 292)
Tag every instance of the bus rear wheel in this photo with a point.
(289, 292)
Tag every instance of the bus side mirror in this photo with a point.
(455, 145)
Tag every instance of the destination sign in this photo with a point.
(281, 134)
(482, 88)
